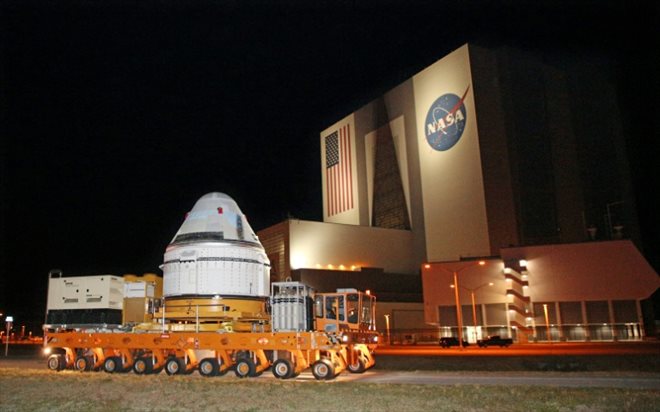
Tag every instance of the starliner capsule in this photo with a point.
(216, 274)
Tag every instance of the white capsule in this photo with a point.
(215, 252)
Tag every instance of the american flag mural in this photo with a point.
(338, 171)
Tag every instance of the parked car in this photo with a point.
(451, 341)
(495, 341)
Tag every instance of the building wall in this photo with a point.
(590, 291)
(568, 190)
(451, 178)
(444, 190)
(317, 244)
(275, 240)
(341, 200)
(609, 270)
(387, 177)
(437, 279)
(298, 244)
(604, 169)
(494, 142)
(386, 287)
(403, 316)
(524, 99)
(400, 104)
(394, 115)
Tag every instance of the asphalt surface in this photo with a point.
(531, 349)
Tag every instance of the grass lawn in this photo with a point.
(43, 390)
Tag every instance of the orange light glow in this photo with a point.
(427, 266)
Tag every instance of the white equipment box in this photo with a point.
(85, 292)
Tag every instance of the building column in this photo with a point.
(587, 333)
(508, 318)
(484, 320)
(560, 323)
(610, 309)
(640, 319)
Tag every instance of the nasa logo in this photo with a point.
(445, 121)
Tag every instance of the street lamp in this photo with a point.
(8, 322)
(459, 317)
(474, 305)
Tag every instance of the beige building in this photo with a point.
(568, 292)
(481, 155)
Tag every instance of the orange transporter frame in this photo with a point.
(340, 341)
(211, 353)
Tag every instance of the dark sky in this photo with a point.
(118, 115)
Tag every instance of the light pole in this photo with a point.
(8, 322)
(474, 305)
(459, 317)
(547, 321)
(387, 327)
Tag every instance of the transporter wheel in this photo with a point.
(245, 367)
(209, 367)
(56, 362)
(113, 364)
(283, 369)
(143, 366)
(359, 366)
(83, 363)
(323, 369)
(175, 366)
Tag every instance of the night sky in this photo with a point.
(117, 116)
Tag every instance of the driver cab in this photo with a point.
(347, 309)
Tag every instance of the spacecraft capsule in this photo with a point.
(215, 253)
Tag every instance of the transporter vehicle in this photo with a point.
(494, 341)
(213, 311)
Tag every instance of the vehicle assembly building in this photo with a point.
(482, 156)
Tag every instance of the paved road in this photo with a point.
(628, 380)
(533, 349)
